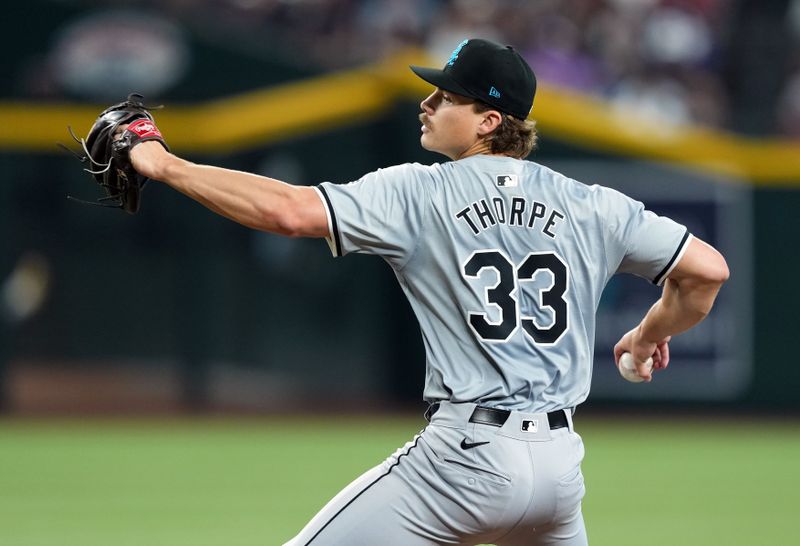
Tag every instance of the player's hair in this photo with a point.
(515, 137)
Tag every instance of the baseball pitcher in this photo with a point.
(503, 261)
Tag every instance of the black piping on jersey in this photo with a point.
(667, 267)
(336, 243)
(379, 478)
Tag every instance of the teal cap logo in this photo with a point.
(456, 51)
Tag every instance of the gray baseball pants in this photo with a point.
(461, 482)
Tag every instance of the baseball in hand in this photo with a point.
(627, 368)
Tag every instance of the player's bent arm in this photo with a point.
(254, 201)
(687, 298)
(688, 295)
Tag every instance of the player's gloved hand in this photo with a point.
(642, 349)
(107, 147)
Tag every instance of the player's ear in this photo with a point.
(490, 120)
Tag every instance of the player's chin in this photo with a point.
(429, 143)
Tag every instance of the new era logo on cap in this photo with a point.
(507, 180)
(493, 92)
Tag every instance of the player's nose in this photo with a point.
(427, 104)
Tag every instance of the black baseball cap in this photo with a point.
(488, 72)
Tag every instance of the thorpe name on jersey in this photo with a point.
(482, 215)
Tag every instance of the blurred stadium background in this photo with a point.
(173, 378)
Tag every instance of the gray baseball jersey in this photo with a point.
(503, 262)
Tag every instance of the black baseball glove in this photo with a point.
(107, 149)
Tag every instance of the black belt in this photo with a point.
(498, 417)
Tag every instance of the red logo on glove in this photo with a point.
(144, 128)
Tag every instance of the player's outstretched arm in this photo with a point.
(688, 296)
(251, 200)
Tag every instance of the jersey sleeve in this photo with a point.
(637, 240)
(382, 213)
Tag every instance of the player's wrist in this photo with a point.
(168, 167)
(152, 160)
(655, 326)
(643, 340)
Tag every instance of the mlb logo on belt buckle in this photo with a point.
(530, 425)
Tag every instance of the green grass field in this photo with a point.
(257, 481)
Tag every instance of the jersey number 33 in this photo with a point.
(503, 295)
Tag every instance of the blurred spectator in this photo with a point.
(673, 36)
(652, 96)
(559, 54)
(461, 19)
(392, 25)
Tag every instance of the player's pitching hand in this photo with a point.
(641, 349)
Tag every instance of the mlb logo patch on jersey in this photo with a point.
(530, 425)
(507, 180)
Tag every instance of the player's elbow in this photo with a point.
(283, 221)
(716, 270)
(702, 266)
(699, 279)
(291, 225)
(700, 291)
